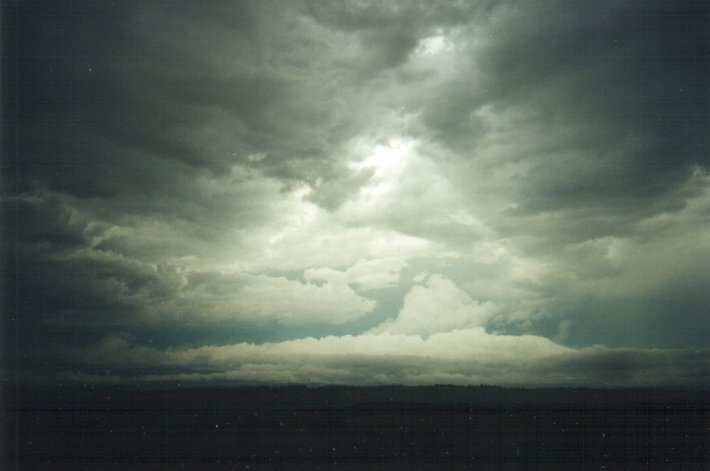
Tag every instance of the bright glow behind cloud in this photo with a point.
(359, 192)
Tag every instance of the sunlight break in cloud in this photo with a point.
(357, 192)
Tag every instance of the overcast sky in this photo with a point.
(357, 192)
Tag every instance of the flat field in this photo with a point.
(397, 427)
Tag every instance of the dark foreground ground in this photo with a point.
(438, 427)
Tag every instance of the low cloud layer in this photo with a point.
(362, 192)
(467, 356)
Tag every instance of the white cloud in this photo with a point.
(438, 306)
(365, 274)
(260, 299)
(301, 235)
(467, 356)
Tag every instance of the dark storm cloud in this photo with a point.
(99, 82)
(63, 280)
(212, 172)
(619, 89)
(613, 95)
(389, 30)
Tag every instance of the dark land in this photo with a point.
(391, 427)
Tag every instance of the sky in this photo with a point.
(357, 192)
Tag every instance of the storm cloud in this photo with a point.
(357, 192)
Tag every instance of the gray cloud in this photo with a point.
(354, 184)
(603, 106)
